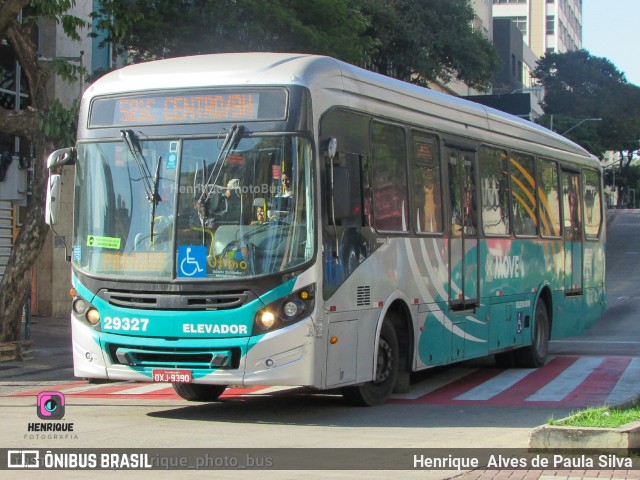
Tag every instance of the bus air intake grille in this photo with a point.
(176, 301)
(159, 357)
(363, 296)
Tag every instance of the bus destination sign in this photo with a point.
(188, 107)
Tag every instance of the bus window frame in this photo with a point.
(510, 233)
(574, 170)
(559, 190)
(415, 132)
(586, 237)
(403, 128)
(535, 188)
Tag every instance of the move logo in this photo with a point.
(508, 266)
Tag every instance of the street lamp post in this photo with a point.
(581, 122)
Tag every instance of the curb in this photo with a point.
(626, 437)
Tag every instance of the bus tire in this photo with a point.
(534, 355)
(378, 391)
(195, 392)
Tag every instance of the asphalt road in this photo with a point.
(618, 331)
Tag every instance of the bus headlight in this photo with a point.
(285, 311)
(79, 306)
(93, 316)
(266, 319)
(291, 309)
(84, 310)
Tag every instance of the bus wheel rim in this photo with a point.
(384, 362)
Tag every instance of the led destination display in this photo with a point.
(189, 107)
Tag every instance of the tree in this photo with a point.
(146, 30)
(577, 86)
(412, 41)
(29, 124)
(428, 41)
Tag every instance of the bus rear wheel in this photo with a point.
(535, 354)
(378, 391)
(195, 392)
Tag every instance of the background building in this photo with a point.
(524, 31)
(546, 25)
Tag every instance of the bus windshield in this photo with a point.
(193, 208)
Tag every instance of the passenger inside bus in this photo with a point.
(229, 204)
(259, 216)
(282, 203)
(286, 185)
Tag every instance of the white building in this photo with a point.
(546, 25)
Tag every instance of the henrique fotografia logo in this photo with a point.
(50, 405)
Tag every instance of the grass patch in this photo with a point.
(600, 417)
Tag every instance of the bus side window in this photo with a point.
(426, 186)
(353, 163)
(592, 205)
(571, 207)
(549, 198)
(494, 183)
(390, 206)
(523, 195)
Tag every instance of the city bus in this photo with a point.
(264, 219)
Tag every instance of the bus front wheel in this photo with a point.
(535, 354)
(378, 391)
(195, 392)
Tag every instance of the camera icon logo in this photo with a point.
(50, 405)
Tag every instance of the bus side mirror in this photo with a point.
(52, 207)
(64, 156)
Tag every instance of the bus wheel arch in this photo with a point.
(392, 359)
(402, 322)
(545, 295)
(534, 355)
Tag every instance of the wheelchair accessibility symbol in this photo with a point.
(192, 261)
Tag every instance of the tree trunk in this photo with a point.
(16, 282)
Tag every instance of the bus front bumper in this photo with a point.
(283, 357)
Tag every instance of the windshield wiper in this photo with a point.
(154, 195)
(230, 142)
(133, 144)
(150, 187)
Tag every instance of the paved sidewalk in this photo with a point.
(52, 360)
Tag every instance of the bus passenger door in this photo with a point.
(572, 237)
(463, 242)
